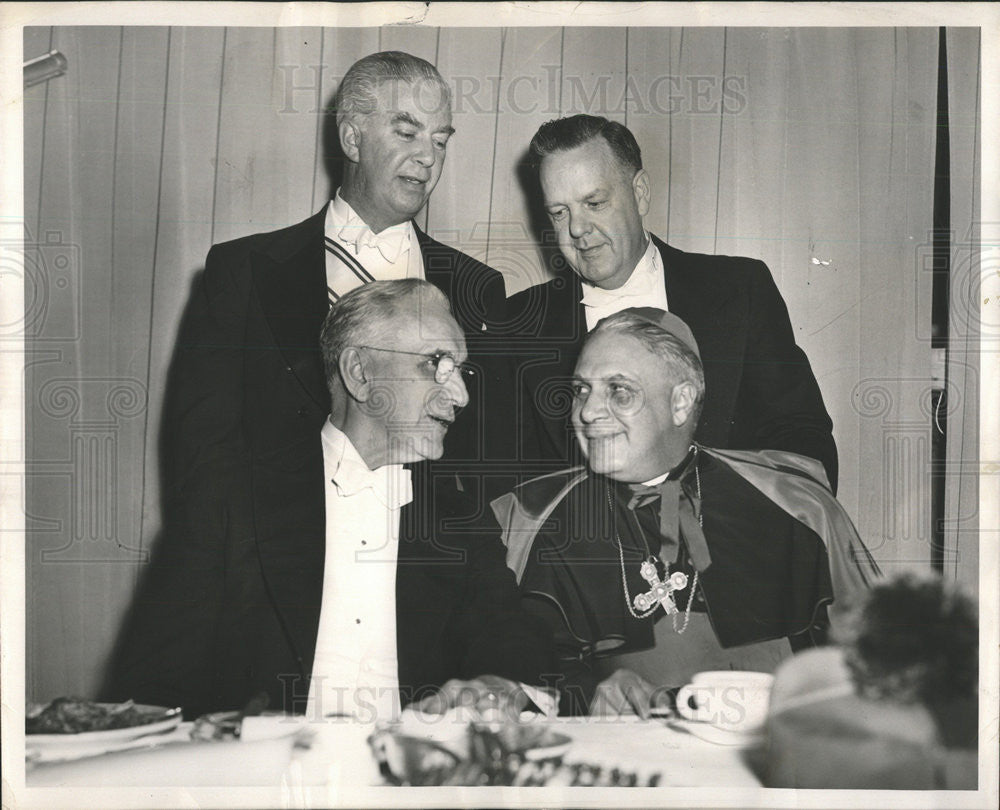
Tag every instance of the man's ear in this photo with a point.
(683, 398)
(640, 188)
(350, 140)
(354, 374)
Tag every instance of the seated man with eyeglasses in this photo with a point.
(353, 595)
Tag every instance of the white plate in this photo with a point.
(168, 719)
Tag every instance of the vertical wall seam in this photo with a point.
(562, 65)
(29, 444)
(320, 116)
(437, 57)
(718, 160)
(789, 51)
(670, 114)
(889, 527)
(41, 162)
(274, 72)
(496, 129)
(114, 164)
(942, 324)
(975, 320)
(892, 98)
(218, 136)
(858, 152)
(152, 290)
(626, 78)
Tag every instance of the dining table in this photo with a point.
(289, 761)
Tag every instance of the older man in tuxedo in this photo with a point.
(763, 394)
(247, 394)
(353, 596)
(247, 381)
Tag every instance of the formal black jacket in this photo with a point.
(231, 602)
(760, 389)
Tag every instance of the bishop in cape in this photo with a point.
(662, 558)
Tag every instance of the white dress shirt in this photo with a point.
(646, 287)
(391, 254)
(356, 668)
(355, 671)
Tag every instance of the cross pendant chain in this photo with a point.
(659, 591)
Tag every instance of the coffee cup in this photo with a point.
(731, 700)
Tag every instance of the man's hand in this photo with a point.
(492, 697)
(625, 692)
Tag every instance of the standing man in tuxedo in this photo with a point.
(247, 385)
(762, 392)
(247, 395)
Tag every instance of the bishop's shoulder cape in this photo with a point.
(784, 555)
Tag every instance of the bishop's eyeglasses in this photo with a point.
(444, 363)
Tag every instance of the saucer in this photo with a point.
(716, 735)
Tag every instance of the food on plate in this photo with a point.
(72, 715)
(229, 725)
(218, 726)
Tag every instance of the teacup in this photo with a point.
(732, 700)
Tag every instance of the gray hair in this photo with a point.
(356, 95)
(360, 316)
(683, 364)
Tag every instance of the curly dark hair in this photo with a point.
(914, 639)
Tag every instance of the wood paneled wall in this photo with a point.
(809, 148)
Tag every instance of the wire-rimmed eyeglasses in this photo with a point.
(443, 362)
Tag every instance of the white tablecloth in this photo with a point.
(338, 766)
(649, 747)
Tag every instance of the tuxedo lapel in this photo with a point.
(439, 262)
(414, 598)
(441, 269)
(709, 305)
(425, 593)
(290, 280)
(715, 307)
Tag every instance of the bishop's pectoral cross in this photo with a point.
(662, 592)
